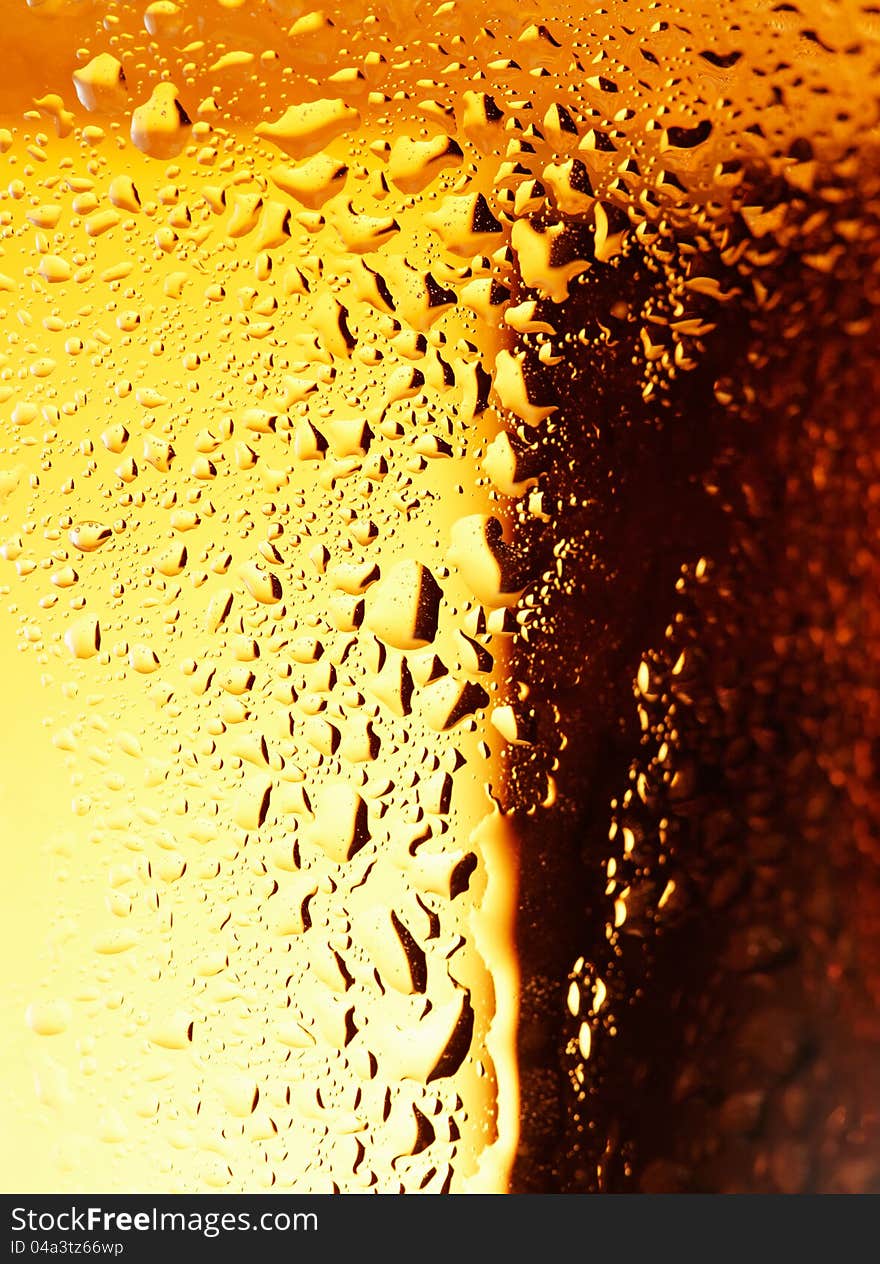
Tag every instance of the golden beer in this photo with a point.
(438, 494)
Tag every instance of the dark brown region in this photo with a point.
(746, 1011)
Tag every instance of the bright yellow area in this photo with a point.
(258, 902)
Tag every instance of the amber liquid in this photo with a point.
(437, 485)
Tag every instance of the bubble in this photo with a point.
(172, 1031)
(55, 269)
(263, 586)
(340, 827)
(487, 564)
(404, 607)
(307, 129)
(160, 125)
(163, 18)
(49, 1018)
(100, 84)
(143, 659)
(83, 638)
